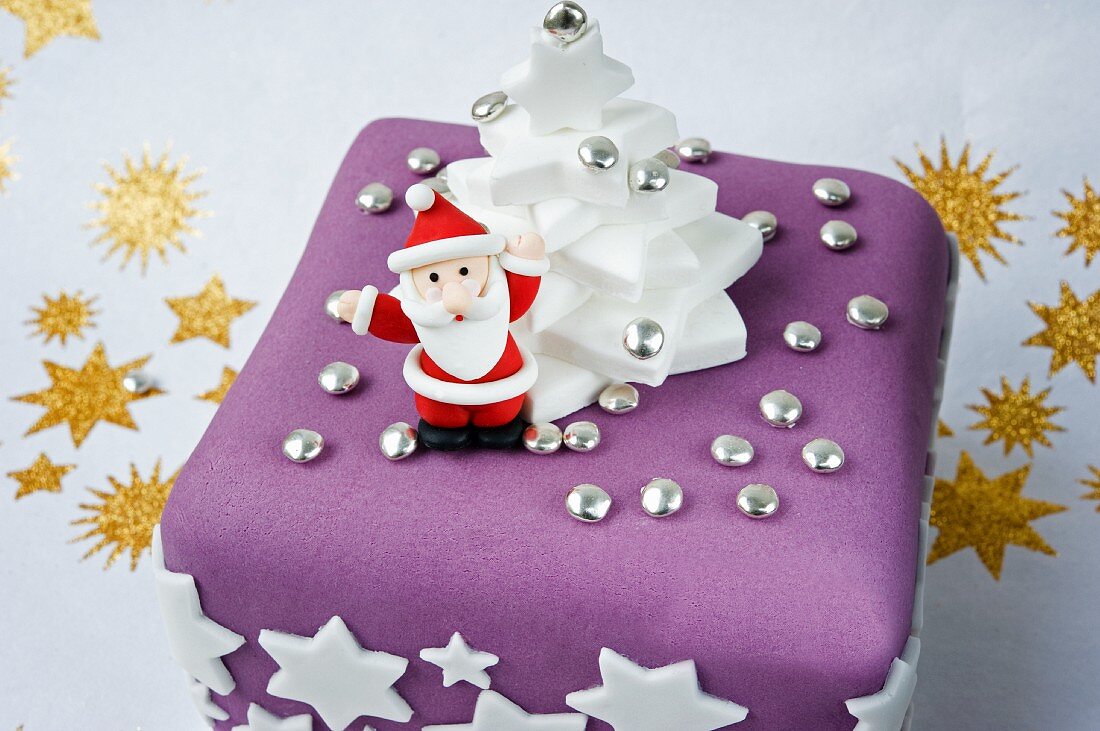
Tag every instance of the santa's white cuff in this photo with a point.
(360, 322)
(526, 267)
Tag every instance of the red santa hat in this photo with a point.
(441, 232)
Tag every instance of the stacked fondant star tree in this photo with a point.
(628, 238)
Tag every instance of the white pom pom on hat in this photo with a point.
(419, 197)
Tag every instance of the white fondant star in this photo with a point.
(460, 662)
(261, 720)
(333, 673)
(494, 712)
(200, 696)
(634, 698)
(197, 643)
(566, 85)
(885, 710)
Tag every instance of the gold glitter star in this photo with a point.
(63, 316)
(84, 397)
(6, 83)
(217, 394)
(966, 201)
(943, 430)
(1073, 331)
(147, 209)
(1017, 417)
(1093, 485)
(1082, 223)
(7, 166)
(124, 518)
(48, 19)
(207, 314)
(987, 515)
(42, 476)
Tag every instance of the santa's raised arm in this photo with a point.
(461, 286)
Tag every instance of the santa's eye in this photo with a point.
(434, 277)
(464, 271)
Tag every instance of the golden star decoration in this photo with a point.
(1017, 416)
(42, 476)
(63, 316)
(47, 19)
(7, 166)
(217, 394)
(966, 200)
(207, 314)
(147, 208)
(943, 430)
(6, 83)
(1093, 485)
(83, 397)
(124, 518)
(986, 514)
(1082, 223)
(1073, 331)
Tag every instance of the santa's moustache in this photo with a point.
(430, 312)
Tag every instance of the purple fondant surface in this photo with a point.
(788, 616)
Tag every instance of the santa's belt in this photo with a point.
(470, 394)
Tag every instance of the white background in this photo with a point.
(266, 97)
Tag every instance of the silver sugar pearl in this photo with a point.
(757, 501)
(302, 445)
(838, 235)
(801, 336)
(398, 441)
(764, 222)
(731, 451)
(662, 497)
(867, 312)
(581, 436)
(832, 192)
(693, 149)
(598, 153)
(643, 338)
(330, 305)
(781, 408)
(668, 157)
(374, 198)
(489, 107)
(588, 503)
(137, 382)
(542, 438)
(823, 455)
(619, 398)
(423, 160)
(566, 21)
(648, 175)
(338, 377)
(438, 184)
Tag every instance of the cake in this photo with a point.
(736, 540)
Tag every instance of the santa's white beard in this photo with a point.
(466, 349)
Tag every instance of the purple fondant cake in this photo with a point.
(302, 595)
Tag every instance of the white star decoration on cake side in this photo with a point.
(261, 720)
(460, 662)
(333, 673)
(197, 643)
(494, 712)
(566, 85)
(200, 696)
(885, 710)
(634, 698)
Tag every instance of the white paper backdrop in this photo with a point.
(266, 96)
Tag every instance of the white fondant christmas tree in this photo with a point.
(621, 246)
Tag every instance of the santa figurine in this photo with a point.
(460, 288)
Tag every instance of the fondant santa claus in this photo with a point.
(460, 288)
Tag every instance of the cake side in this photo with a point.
(788, 617)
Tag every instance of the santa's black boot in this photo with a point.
(505, 436)
(445, 440)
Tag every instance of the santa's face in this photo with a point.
(434, 277)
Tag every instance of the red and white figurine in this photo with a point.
(461, 287)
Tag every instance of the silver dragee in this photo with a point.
(566, 21)
(823, 455)
(693, 149)
(801, 336)
(781, 408)
(662, 497)
(542, 438)
(764, 222)
(619, 398)
(302, 445)
(598, 153)
(731, 451)
(581, 436)
(758, 500)
(588, 503)
(423, 160)
(338, 377)
(668, 157)
(137, 382)
(643, 338)
(648, 175)
(489, 107)
(398, 441)
(831, 192)
(330, 305)
(374, 198)
(867, 312)
(838, 235)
